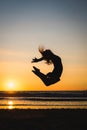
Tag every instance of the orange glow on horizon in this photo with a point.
(18, 76)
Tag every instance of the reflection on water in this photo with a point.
(10, 105)
(43, 100)
(10, 102)
(34, 104)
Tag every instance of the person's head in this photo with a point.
(47, 54)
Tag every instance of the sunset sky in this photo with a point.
(59, 25)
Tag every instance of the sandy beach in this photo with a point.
(53, 119)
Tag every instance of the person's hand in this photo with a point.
(34, 60)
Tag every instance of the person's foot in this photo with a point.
(36, 69)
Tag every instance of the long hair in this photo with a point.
(47, 54)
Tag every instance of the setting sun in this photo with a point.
(10, 84)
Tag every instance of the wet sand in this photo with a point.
(53, 119)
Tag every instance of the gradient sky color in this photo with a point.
(59, 25)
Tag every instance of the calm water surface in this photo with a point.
(43, 100)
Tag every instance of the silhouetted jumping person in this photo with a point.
(50, 57)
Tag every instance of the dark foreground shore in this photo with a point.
(55, 119)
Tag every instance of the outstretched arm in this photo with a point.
(37, 60)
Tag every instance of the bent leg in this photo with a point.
(42, 76)
(47, 79)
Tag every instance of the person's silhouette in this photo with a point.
(51, 77)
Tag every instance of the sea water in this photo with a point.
(43, 100)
